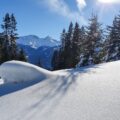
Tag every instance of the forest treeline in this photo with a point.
(80, 45)
(8, 47)
(88, 45)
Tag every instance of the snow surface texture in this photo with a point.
(91, 93)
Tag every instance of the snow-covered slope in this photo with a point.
(36, 42)
(91, 93)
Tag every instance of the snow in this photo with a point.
(90, 93)
(41, 56)
(39, 51)
(16, 71)
(1, 81)
(36, 42)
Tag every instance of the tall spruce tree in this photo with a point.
(55, 60)
(22, 56)
(13, 37)
(58, 59)
(93, 43)
(76, 45)
(113, 41)
(82, 45)
(6, 26)
(9, 47)
(62, 57)
(1, 48)
(68, 47)
(63, 37)
(62, 52)
(0, 51)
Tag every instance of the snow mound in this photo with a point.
(16, 71)
(91, 93)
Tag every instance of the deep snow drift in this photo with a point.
(91, 93)
(16, 71)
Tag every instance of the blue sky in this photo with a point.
(49, 17)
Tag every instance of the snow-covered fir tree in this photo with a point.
(113, 41)
(93, 43)
(82, 46)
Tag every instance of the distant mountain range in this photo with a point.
(36, 42)
(39, 51)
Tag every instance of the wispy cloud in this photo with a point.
(61, 7)
(81, 4)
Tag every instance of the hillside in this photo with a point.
(41, 56)
(39, 51)
(90, 93)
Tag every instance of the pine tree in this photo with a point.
(6, 26)
(68, 47)
(82, 44)
(22, 56)
(9, 46)
(13, 37)
(61, 55)
(58, 59)
(55, 60)
(76, 45)
(1, 48)
(113, 41)
(63, 37)
(93, 44)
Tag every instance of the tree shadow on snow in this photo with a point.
(13, 87)
(61, 85)
(58, 88)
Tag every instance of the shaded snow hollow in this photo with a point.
(91, 93)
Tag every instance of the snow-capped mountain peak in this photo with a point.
(36, 42)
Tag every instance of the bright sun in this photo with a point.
(109, 1)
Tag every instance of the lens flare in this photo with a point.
(109, 1)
